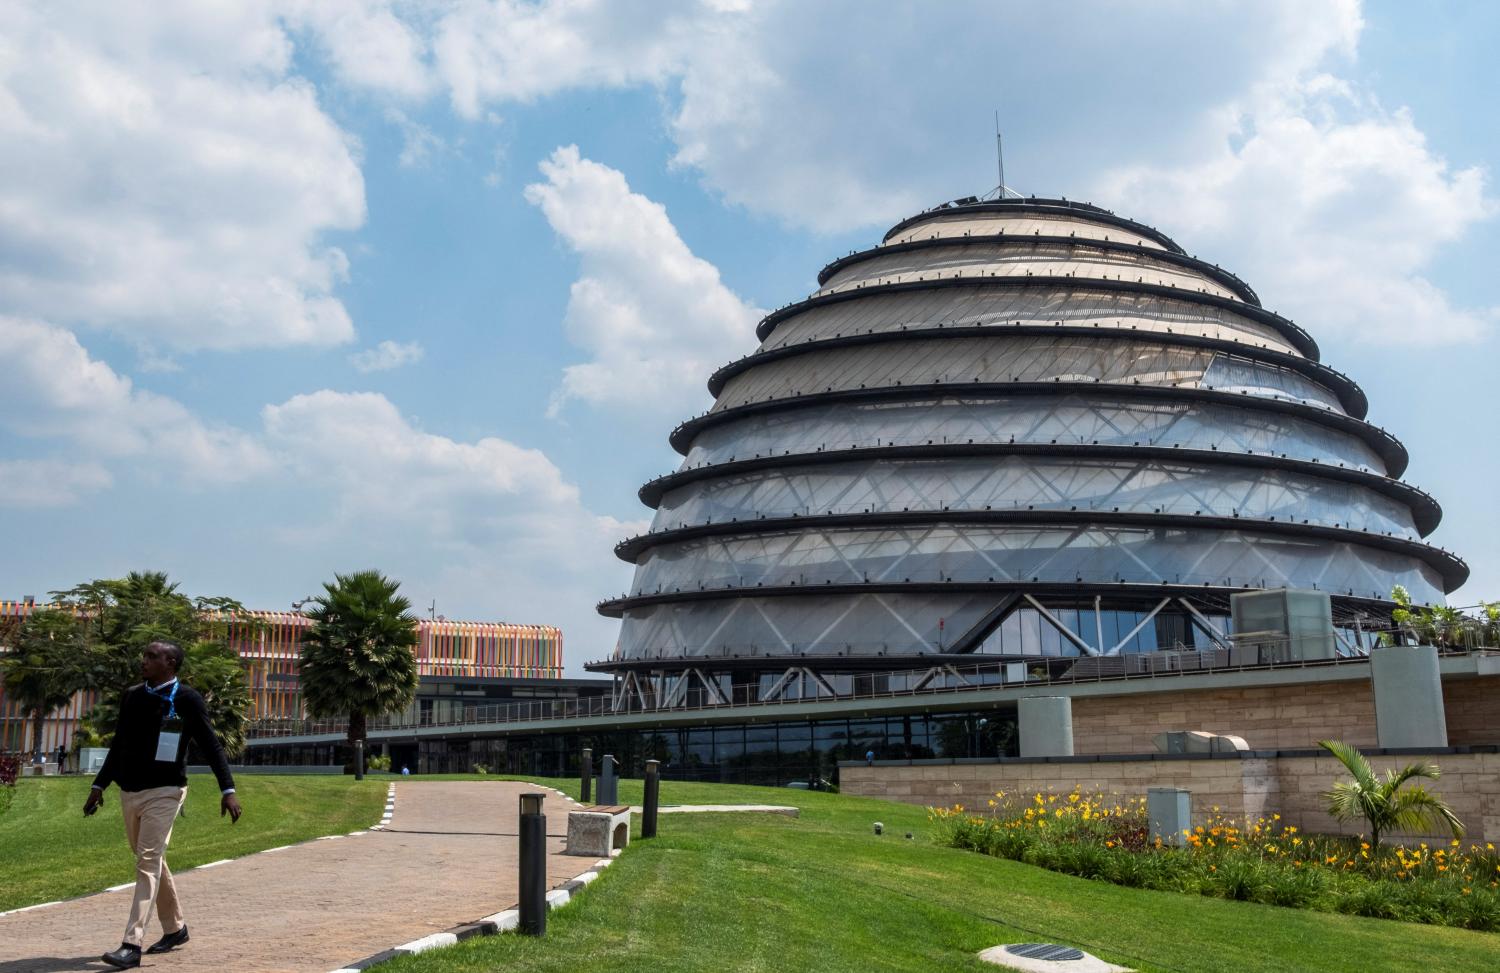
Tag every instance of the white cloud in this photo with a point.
(654, 318)
(50, 388)
(829, 117)
(386, 356)
(165, 177)
(484, 522)
(1332, 208)
(367, 43)
(43, 483)
(513, 51)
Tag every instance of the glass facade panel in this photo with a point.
(1022, 259)
(1033, 482)
(1004, 358)
(999, 307)
(1067, 418)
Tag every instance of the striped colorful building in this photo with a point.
(269, 643)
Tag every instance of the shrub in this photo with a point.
(10, 769)
(1297, 888)
(481, 769)
(1263, 860)
(378, 763)
(1241, 879)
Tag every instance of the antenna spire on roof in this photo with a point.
(1001, 191)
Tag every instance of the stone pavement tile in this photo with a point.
(448, 857)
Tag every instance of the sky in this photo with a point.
(291, 288)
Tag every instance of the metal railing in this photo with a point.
(1032, 672)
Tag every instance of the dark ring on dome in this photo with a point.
(1088, 212)
(616, 607)
(1217, 273)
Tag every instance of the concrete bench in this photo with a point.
(598, 831)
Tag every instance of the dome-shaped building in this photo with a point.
(1018, 428)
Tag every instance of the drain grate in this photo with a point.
(1045, 951)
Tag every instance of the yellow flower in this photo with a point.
(1364, 846)
(992, 802)
(1109, 844)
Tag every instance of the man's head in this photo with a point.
(160, 662)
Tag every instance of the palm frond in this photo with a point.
(1395, 778)
(1416, 809)
(1354, 761)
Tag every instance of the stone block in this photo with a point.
(597, 834)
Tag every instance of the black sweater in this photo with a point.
(132, 762)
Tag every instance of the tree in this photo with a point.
(1385, 803)
(214, 669)
(119, 617)
(41, 671)
(357, 657)
(1443, 626)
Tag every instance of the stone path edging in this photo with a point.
(500, 922)
(510, 919)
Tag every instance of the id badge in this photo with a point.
(166, 746)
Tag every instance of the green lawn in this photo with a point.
(49, 850)
(768, 893)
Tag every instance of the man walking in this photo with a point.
(148, 759)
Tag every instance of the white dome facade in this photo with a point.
(1008, 418)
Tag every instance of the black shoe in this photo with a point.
(125, 958)
(170, 941)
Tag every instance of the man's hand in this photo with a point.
(94, 802)
(230, 805)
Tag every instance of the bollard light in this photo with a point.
(653, 793)
(609, 781)
(532, 854)
(586, 778)
(359, 760)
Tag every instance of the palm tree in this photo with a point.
(215, 670)
(1383, 802)
(357, 658)
(41, 671)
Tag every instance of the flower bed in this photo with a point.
(1105, 838)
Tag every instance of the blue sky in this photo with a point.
(290, 288)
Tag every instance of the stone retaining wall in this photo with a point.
(1273, 717)
(1240, 786)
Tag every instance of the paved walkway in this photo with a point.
(448, 857)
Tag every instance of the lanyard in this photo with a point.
(171, 699)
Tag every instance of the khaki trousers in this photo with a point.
(149, 815)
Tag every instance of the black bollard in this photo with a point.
(533, 860)
(359, 760)
(648, 808)
(586, 778)
(609, 783)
